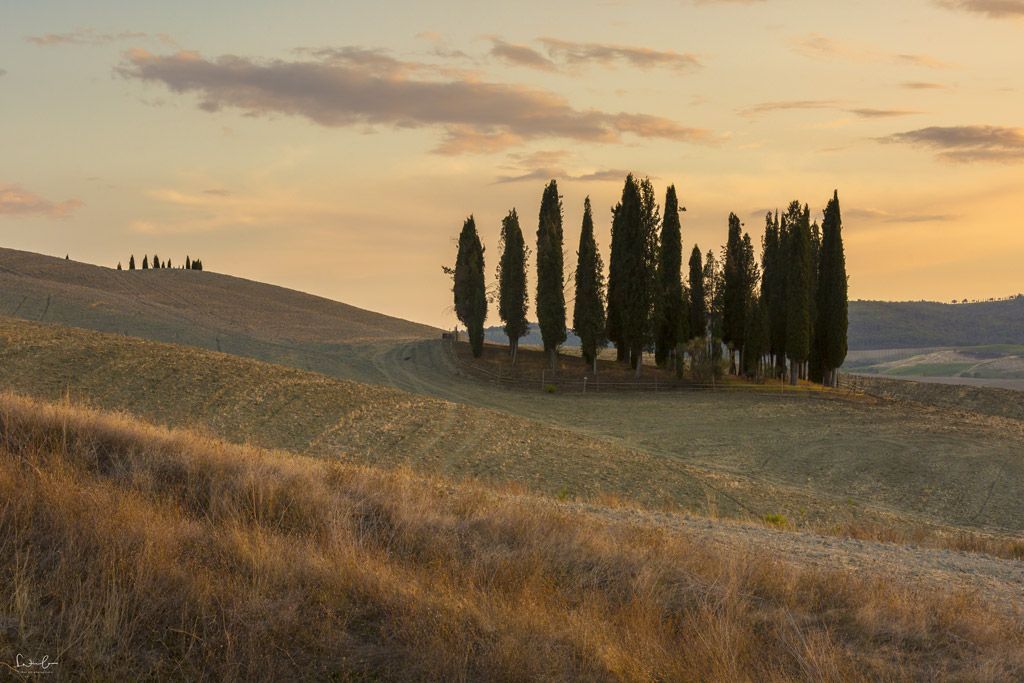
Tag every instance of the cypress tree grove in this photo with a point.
(131, 262)
(734, 298)
(588, 310)
(550, 273)
(833, 303)
(468, 287)
(798, 293)
(669, 311)
(698, 308)
(512, 294)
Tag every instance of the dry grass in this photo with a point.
(134, 552)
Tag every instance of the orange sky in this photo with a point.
(337, 149)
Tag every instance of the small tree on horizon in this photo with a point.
(131, 262)
(188, 263)
(513, 296)
(119, 266)
(145, 262)
(588, 317)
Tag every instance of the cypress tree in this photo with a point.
(188, 263)
(119, 266)
(156, 261)
(145, 262)
(550, 273)
(755, 336)
(698, 307)
(814, 360)
(169, 263)
(632, 290)
(714, 293)
(669, 311)
(833, 303)
(468, 287)
(650, 222)
(588, 310)
(734, 300)
(614, 311)
(131, 262)
(798, 293)
(512, 293)
(773, 289)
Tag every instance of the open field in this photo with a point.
(997, 365)
(130, 552)
(820, 461)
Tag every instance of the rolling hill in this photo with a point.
(196, 308)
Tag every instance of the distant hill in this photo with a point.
(897, 325)
(913, 324)
(197, 308)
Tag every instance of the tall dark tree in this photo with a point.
(773, 289)
(131, 262)
(714, 295)
(650, 223)
(814, 362)
(551, 273)
(632, 301)
(614, 313)
(833, 303)
(588, 310)
(468, 285)
(734, 299)
(698, 302)
(188, 263)
(798, 292)
(145, 262)
(755, 336)
(119, 266)
(156, 261)
(669, 311)
(512, 293)
(169, 263)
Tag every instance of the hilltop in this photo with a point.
(196, 308)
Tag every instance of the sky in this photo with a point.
(337, 147)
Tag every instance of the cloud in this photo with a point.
(520, 55)
(966, 143)
(869, 113)
(997, 9)
(922, 85)
(791, 105)
(544, 174)
(3, 72)
(88, 36)
(218, 192)
(607, 53)
(360, 88)
(17, 201)
(877, 215)
(817, 46)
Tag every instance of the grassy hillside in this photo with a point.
(132, 553)
(197, 308)
(857, 465)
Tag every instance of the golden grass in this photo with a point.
(130, 552)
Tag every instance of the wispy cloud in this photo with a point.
(967, 143)
(543, 174)
(922, 85)
(880, 216)
(797, 105)
(348, 89)
(573, 53)
(520, 55)
(88, 36)
(17, 201)
(997, 9)
(817, 46)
